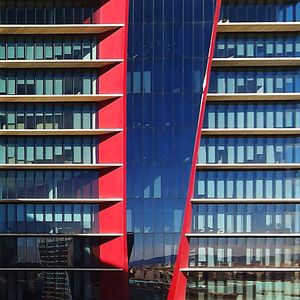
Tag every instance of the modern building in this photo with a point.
(241, 230)
(62, 150)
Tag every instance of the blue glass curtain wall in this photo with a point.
(260, 11)
(270, 252)
(249, 150)
(252, 115)
(49, 218)
(49, 184)
(259, 45)
(248, 184)
(247, 285)
(246, 218)
(46, 12)
(267, 80)
(47, 150)
(168, 47)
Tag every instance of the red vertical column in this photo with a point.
(112, 150)
(178, 285)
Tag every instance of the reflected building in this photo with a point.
(62, 150)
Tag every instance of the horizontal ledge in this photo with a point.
(60, 235)
(60, 132)
(58, 98)
(222, 235)
(256, 62)
(253, 97)
(59, 29)
(254, 269)
(251, 131)
(24, 269)
(59, 166)
(61, 200)
(45, 64)
(258, 27)
(266, 166)
(243, 201)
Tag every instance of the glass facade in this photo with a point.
(46, 12)
(246, 218)
(48, 116)
(268, 150)
(247, 285)
(168, 48)
(49, 285)
(258, 45)
(48, 184)
(61, 214)
(47, 82)
(49, 218)
(252, 115)
(48, 47)
(256, 80)
(48, 150)
(244, 215)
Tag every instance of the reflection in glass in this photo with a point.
(251, 218)
(49, 252)
(248, 184)
(249, 150)
(252, 115)
(247, 286)
(47, 150)
(245, 252)
(256, 80)
(49, 184)
(50, 285)
(49, 218)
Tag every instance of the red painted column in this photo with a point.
(178, 285)
(112, 252)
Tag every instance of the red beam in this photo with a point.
(178, 285)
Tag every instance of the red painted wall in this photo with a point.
(112, 149)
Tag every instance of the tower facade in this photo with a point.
(240, 235)
(63, 149)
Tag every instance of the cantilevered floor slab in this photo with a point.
(57, 132)
(58, 98)
(253, 97)
(257, 62)
(61, 64)
(258, 27)
(59, 29)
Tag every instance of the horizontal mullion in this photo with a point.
(59, 166)
(258, 27)
(251, 131)
(60, 132)
(62, 235)
(244, 201)
(63, 269)
(246, 234)
(257, 62)
(59, 29)
(215, 269)
(253, 97)
(61, 200)
(58, 98)
(46, 64)
(264, 166)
